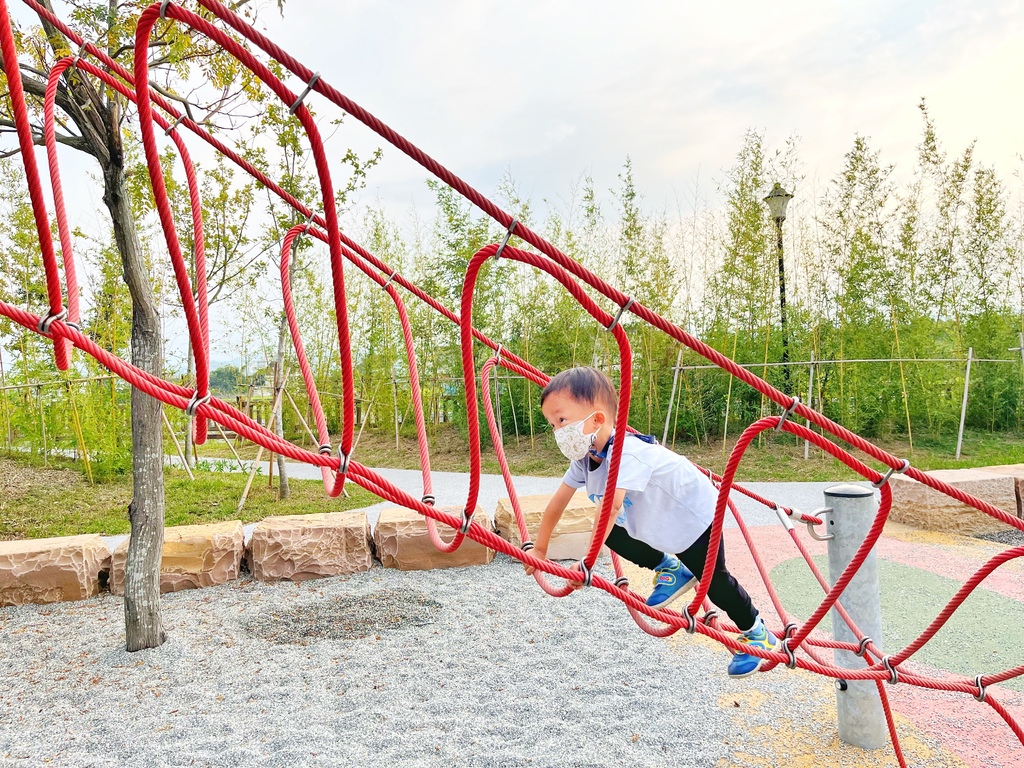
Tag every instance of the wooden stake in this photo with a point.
(259, 453)
(177, 445)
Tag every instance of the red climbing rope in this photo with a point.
(801, 646)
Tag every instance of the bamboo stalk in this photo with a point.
(80, 435)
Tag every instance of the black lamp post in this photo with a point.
(777, 201)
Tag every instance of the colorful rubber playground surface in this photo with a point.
(919, 572)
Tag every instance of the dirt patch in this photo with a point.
(349, 618)
(17, 479)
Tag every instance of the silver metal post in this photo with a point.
(859, 708)
(963, 405)
(672, 397)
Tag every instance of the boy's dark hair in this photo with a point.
(585, 384)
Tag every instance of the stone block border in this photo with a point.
(292, 547)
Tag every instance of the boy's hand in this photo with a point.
(540, 554)
(576, 584)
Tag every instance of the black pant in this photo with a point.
(724, 591)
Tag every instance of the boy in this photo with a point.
(663, 504)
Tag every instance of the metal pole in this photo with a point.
(672, 397)
(858, 705)
(810, 404)
(782, 307)
(963, 405)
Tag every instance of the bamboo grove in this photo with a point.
(909, 267)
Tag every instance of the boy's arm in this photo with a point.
(620, 495)
(552, 514)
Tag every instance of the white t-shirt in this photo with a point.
(668, 502)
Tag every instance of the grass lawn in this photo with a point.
(777, 458)
(38, 502)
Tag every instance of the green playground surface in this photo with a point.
(982, 636)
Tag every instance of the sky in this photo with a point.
(548, 91)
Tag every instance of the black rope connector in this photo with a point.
(428, 499)
(76, 326)
(788, 630)
(46, 322)
(527, 546)
(302, 96)
(618, 315)
(622, 582)
(195, 402)
(325, 449)
(508, 235)
(787, 413)
(885, 478)
(710, 616)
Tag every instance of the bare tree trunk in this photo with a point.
(142, 616)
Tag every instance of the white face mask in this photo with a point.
(573, 442)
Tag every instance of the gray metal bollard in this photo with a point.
(861, 719)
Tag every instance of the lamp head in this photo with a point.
(777, 201)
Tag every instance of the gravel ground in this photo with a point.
(464, 667)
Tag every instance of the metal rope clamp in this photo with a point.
(821, 512)
(790, 653)
(46, 322)
(163, 9)
(174, 125)
(982, 693)
(195, 402)
(527, 546)
(894, 674)
(309, 223)
(618, 315)
(302, 96)
(691, 620)
(344, 460)
(508, 236)
(864, 643)
(466, 521)
(885, 478)
(622, 582)
(428, 499)
(390, 278)
(325, 449)
(787, 413)
(588, 573)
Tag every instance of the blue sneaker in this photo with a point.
(744, 664)
(671, 582)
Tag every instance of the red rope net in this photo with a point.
(799, 648)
